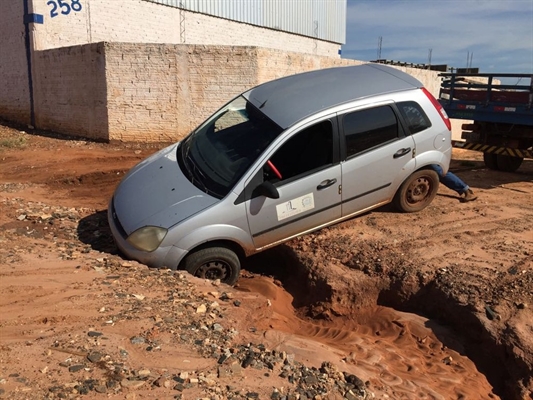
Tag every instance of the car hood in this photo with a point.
(155, 192)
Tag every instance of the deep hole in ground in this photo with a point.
(330, 282)
(334, 277)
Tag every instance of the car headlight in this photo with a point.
(147, 238)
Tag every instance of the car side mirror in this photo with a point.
(267, 189)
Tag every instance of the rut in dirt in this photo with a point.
(368, 275)
(335, 279)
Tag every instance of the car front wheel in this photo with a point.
(214, 263)
(417, 191)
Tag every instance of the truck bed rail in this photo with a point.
(483, 97)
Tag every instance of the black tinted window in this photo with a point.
(415, 117)
(308, 150)
(369, 128)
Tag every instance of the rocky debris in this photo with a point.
(303, 382)
(177, 314)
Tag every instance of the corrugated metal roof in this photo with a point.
(322, 19)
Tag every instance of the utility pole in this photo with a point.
(469, 56)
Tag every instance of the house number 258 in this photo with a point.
(63, 7)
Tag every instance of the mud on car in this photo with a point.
(280, 160)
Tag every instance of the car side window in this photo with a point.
(308, 150)
(369, 128)
(414, 115)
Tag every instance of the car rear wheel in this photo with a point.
(417, 191)
(214, 263)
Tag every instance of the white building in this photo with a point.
(30, 27)
(151, 70)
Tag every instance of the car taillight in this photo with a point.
(439, 108)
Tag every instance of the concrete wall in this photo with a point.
(70, 91)
(162, 92)
(273, 64)
(14, 92)
(157, 92)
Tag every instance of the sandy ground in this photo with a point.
(431, 305)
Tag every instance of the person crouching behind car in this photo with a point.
(453, 182)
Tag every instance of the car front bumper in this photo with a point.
(162, 257)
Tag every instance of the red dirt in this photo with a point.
(345, 295)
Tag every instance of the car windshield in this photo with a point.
(221, 150)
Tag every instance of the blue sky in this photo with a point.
(497, 34)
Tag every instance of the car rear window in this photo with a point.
(369, 128)
(414, 115)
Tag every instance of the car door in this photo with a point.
(305, 172)
(376, 155)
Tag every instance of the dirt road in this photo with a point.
(435, 305)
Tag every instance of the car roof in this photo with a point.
(290, 99)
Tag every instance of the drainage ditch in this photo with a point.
(333, 281)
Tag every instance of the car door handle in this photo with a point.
(325, 184)
(402, 152)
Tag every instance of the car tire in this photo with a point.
(214, 263)
(417, 191)
(490, 161)
(508, 163)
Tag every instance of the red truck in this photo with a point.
(500, 115)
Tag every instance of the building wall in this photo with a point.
(70, 91)
(138, 21)
(156, 92)
(14, 87)
(78, 22)
(273, 64)
(160, 92)
(139, 90)
(312, 18)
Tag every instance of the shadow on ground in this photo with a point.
(94, 231)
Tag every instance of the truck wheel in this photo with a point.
(508, 163)
(490, 161)
(214, 263)
(417, 191)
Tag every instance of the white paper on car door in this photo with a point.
(295, 206)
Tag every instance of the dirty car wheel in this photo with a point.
(417, 191)
(214, 263)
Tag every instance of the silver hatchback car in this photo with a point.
(283, 159)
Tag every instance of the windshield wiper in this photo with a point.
(196, 174)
